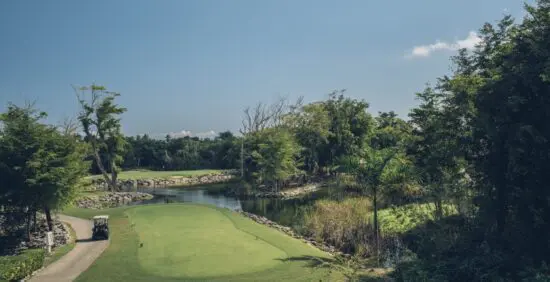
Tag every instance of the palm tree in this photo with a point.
(374, 170)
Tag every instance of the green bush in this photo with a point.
(400, 219)
(20, 266)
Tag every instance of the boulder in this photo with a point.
(111, 199)
(127, 185)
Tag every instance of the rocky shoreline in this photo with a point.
(285, 194)
(287, 230)
(130, 184)
(110, 199)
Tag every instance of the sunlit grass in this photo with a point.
(187, 242)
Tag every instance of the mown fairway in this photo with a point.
(194, 242)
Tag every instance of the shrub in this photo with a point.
(398, 220)
(346, 225)
(457, 248)
(20, 266)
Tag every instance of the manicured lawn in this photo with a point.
(143, 174)
(194, 242)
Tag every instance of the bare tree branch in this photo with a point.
(264, 116)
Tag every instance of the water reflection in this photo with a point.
(286, 212)
(200, 196)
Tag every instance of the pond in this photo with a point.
(286, 212)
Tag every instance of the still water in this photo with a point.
(286, 212)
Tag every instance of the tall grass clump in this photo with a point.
(345, 224)
(348, 225)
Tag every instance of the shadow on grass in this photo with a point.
(370, 275)
(370, 278)
(85, 240)
(312, 261)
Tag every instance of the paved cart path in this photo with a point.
(84, 253)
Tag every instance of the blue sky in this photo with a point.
(193, 66)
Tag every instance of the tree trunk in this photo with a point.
(113, 177)
(100, 165)
(438, 208)
(48, 218)
(242, 158)
(375, 215)
(34, 220)
(29, 219)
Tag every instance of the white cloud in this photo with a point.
(469, 43)
(206, 134)
(184, 133)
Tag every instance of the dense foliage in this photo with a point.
(482, 134)
(182, 153)
(40, 165)
(15, 268)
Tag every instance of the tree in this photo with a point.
(350, 125)
(262, 117)
(271, 156)
(101, 124)
(60, 169)
(21, 139)
(310, 125)
(374, 170)
(512, 133)
(434, 147)
(41, 165)
(391, 131)
(226, 150)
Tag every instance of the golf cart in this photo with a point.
(101, 227)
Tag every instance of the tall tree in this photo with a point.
(310, 125)
(350, 125)
(41, 166)
(393, 133)
(101, 123)
(21, 139)
(271, 156)
(512, 131)
(433, 147)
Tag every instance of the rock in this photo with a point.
(285, 194)
(128, 185)
(287, 230)
(38, 235)
(111, 199)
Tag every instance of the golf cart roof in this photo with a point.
(101, 217)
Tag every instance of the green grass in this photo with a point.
(149, 174)
(63, 250)
(187, 242)
(398, 220)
